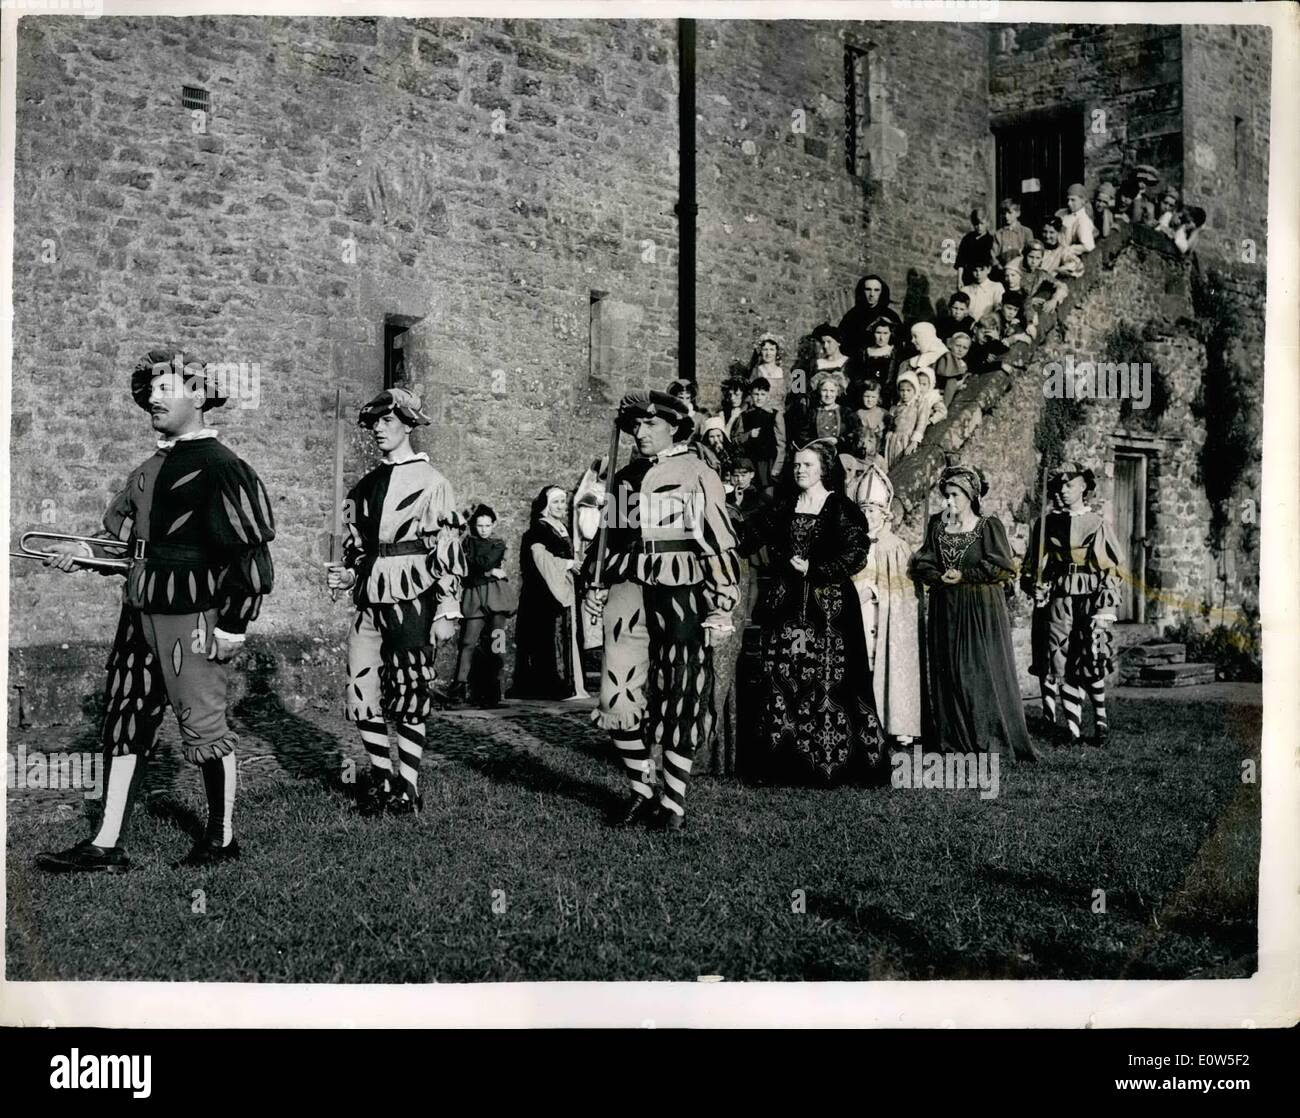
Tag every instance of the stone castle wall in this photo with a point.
(483, 175)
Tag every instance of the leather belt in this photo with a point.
(166, 552)
(659, 547)
(405, 547)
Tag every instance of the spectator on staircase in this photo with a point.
(1041, 288)
(766, 363)
(978, 244)
(1166, 219)
(957, 316)
(1143, 209)
(988, 348)
(984, 293)
(1058, 259)
(907, 419)
(1077, 229)
(950, 370)
(733, 403)
(880, 359)
(1103, 204)
(1009, 240)
(762, 435)
(874, 419)
(870, 302)
(1189, 227)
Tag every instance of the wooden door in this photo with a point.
(1037, 160)
(1128, 519)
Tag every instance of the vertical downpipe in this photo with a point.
(687, 207)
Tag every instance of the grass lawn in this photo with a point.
(896, 883)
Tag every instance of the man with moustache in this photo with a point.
(197, 521)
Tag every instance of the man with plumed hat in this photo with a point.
(889, 600)
(670, 576)
(196, 520)
(403, 562)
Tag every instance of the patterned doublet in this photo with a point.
(408, 507)
(670, 525)
(202, 519)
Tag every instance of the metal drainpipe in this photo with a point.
(686, 207)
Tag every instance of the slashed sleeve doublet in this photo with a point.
(240, 524)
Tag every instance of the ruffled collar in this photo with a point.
(421, 457)
(671, 452)
(188, 437)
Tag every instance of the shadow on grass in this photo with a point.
(303, 749)
(509, 762)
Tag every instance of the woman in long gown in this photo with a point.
(544, 646)
(966, 562)
(817, 722)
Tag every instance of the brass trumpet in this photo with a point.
(97, 563)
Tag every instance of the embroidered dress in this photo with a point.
(817, 721)
(973, 686)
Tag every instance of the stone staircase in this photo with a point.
(1161, 664)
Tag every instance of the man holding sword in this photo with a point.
(663, 576)
(196, 520)
(403, 562)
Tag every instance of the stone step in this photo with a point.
(1129, 633)
(1174, 675)
(1169, 653)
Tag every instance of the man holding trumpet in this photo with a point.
(196, 521)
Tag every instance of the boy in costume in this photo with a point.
(403, 562)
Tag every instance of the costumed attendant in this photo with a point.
(1078, 589)
(403, 562)
(670, 577)
(546, 661)
(198, 521)
(486, 601)
(965, 561)
(890, 613)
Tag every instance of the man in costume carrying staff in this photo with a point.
(1076, 593)
(669, 576)
(403, 562)
(197, 521)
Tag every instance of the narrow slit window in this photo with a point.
(857, 110)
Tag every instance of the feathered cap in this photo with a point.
(166, 360)
(402, 402)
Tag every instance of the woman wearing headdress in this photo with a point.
(486, 600)
(817, 721)
(890, 610)
(966, 562)
(544, 656)
(1075, 595)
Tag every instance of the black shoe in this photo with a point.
(374, 797)
(633, 810)
(665, 819)
(85, 857)
(209, 852)
(405, 804)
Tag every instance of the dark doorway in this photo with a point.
(1038, 157)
